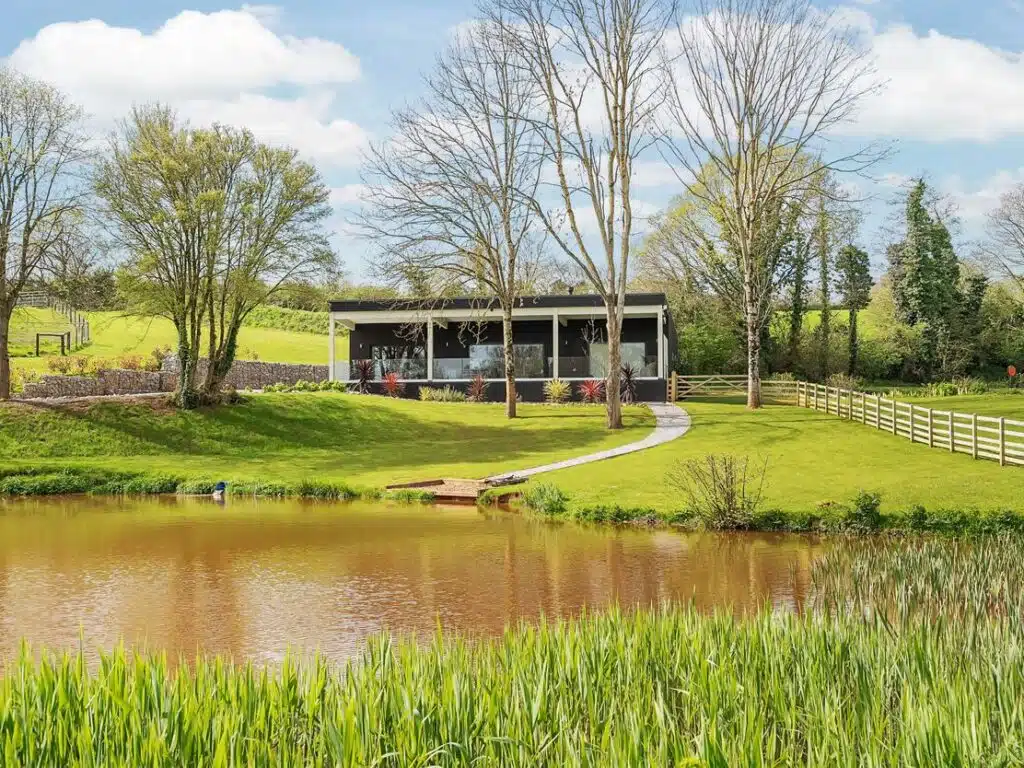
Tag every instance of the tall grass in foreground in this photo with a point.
(666, 687)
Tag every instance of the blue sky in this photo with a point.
(322, 76)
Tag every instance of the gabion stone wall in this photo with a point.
(245, 374)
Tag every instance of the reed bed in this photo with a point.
(965, 580)
(666, 687)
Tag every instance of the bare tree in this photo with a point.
(1005, 246)
(596, 64)
(41, 149)
(755, 89)
(449, 195)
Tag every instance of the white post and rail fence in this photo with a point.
(994, 438)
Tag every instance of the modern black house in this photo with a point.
(440, 342)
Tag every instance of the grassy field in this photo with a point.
(365, 441)
(1009, 404)
(115, 334)
(812, 458)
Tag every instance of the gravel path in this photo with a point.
(671, 422)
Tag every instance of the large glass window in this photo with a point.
(489, 360)
(407, 360)
(634, 353)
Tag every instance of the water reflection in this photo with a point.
(251, 579)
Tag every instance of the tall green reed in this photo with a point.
(658, 687)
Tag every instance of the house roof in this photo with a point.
(549, 301)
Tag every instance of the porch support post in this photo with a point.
(554, 345)
(661, 343)
(330, 352)
(430, 347)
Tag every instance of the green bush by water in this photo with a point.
(669, 687)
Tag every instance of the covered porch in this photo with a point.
(451, 342)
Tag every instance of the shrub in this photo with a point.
(196, 487)
(393, 384)
(627, 384)
(478, 389)
(970, 385)
(724, 492)
(557, 391)
(864, 515)
(546, 498)
(60, 365)
(591, 390)
(157, 357)
(364, 375)
(130, 363)
(844, 381)
(446, 394)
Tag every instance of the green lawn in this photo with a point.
(115, 334)
(1006, 403)
(366, 441)
(812, 458)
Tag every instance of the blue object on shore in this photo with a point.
(218, 490)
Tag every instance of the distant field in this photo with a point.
(115, 334)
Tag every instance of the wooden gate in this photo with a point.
(689, 387)
(685, 387)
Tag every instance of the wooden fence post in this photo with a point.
(974, 435)
(894, 430)
(911, 422)
(1002, 441)
(863, 408)
(931, 430)
(826, 399)
(952, 446)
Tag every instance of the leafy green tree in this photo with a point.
(798, 299)
(853, 268)
(925, 274)
(213, 223)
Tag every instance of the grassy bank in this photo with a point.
(815, 462)
(658, 688)
(288, 439)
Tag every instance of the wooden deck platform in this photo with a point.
(455, 490)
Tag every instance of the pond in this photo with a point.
(253, 579)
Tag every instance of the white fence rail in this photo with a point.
(983, 437)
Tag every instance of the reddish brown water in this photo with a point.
(253, 579)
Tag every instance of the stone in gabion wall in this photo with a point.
(252, 374)
(245, 374)
(112, 382)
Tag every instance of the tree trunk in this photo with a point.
(220, 362)
(185, 395)
(613, 393)
(853, 341)
(753, 361)
(5, 360)
(510, 364)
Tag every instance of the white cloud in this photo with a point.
(216, 66)
(304, 123)
(347, 194)
(940, 87)
(974, 202)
